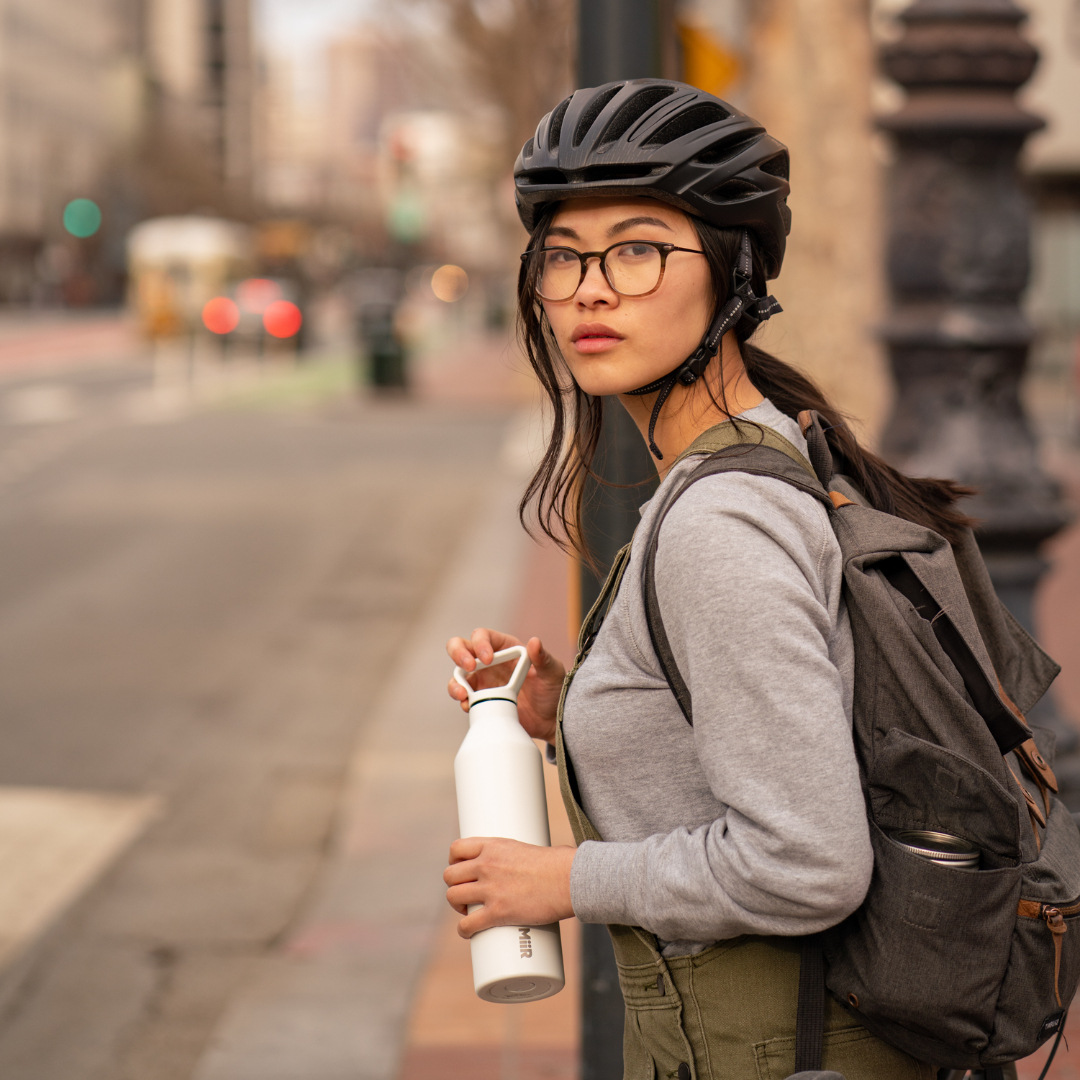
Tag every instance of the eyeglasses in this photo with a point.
(631, 267)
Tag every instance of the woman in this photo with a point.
(656, 214)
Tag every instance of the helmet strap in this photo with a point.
(741, 304)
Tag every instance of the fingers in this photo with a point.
(463, 850)
(461, 652)
(482, 646)
(458, 693)
(474, 923)
(461, 896)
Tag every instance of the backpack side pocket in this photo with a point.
(1044, 961)
(925, 966)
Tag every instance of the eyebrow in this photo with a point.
(618, 227)
(629, 223)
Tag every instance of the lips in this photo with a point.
(595, 330)
(594, 337)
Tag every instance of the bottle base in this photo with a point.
(519, 990)
(517, 963)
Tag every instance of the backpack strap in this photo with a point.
(744, 433)
(772, 456)
(737, 446)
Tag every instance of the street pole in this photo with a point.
(958, 261)
(617, 39)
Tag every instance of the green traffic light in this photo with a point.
(82, 217)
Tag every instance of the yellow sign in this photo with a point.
(708, 63)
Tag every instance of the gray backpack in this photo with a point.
(963, 968)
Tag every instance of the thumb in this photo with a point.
(540, 657)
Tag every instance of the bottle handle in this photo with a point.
(511, 689)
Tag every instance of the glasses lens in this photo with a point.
(560, 274)
(633, 269)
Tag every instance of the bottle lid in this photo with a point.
(939, 846)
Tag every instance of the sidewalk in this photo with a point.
(452, 1034)
(45, 340)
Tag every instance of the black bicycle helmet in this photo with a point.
(664, 140)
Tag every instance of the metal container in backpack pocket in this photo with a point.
(938, 847)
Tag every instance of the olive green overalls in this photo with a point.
(727, 1013)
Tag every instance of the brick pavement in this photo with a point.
(452, 1034)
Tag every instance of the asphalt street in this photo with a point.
(196, 606)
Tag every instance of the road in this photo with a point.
(196, 606)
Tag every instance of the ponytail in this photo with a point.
(931, 503)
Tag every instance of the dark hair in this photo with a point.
(557, 487)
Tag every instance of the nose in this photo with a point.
(595, 289)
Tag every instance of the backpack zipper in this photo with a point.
(1054, 917)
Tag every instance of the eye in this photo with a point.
(633, 252)
(560, 258)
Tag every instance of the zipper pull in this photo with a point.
(1056, 923)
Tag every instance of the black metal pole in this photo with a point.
(618, 39)
(958, 261)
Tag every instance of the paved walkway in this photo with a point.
(452, 1034)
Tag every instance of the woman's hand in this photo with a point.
(516, 883)
(538, 701)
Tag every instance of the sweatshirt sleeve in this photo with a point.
(739, 576)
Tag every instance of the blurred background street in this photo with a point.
(263, 429)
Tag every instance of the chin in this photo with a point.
(607, 376)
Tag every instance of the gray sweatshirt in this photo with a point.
(752, 821)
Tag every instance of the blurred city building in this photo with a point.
(319, 130)
(68, 103)
(142, 106)
(199, 70)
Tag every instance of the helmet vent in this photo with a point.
(527, 150)
(546, 177)
(633, 111)
(595, 174)
(555, 127)
(733, 190)
(725, 151)
(595, 108)
(778, 166)
(699, 116)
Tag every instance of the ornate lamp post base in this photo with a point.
(958, 262)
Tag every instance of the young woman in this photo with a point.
(656, 215)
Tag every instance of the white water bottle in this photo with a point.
(500, 792)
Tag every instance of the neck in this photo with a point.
(691, 410)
